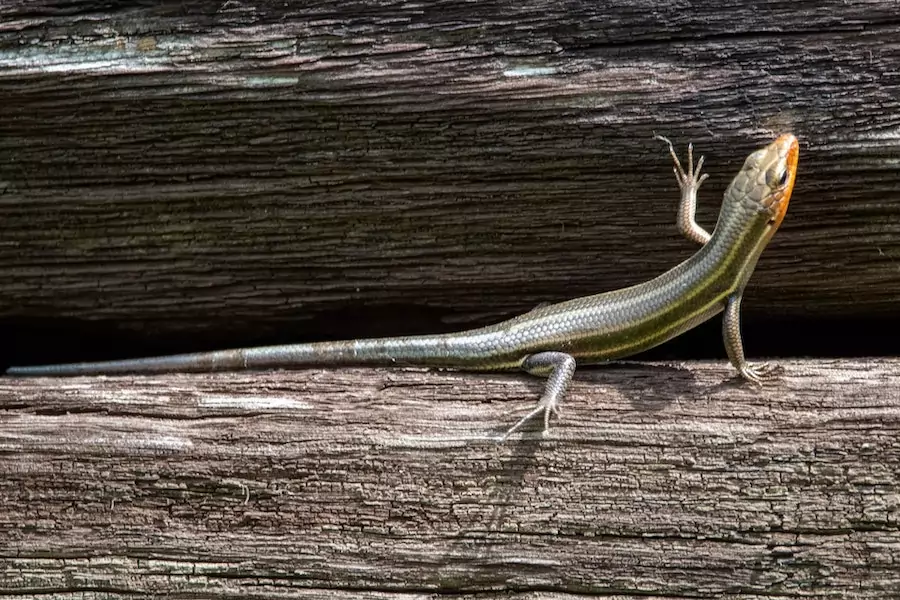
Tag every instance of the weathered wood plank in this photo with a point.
(663, 480)
(377, 167)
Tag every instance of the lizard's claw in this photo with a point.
(757, 374)
(690, 178)
(549, 405)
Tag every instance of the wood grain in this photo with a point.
(666, 480)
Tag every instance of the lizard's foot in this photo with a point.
(558, 367)
(690, 179)
(757, 374)
(547, 405)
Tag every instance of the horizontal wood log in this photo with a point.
(205, 172)
(666, 480)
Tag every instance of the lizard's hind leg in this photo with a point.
(558, 368)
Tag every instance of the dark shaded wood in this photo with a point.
(182, 170)
(664, 480)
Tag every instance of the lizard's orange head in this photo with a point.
(788, 150)
(769, 175)
(779, 160)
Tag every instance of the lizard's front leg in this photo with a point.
(688, 182)
(731, 334)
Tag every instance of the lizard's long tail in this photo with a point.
(474, 350)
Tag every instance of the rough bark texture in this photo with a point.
(660, 480)
(208, 172)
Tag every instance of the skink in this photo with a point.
(549, 341)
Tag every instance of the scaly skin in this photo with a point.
(551, 340)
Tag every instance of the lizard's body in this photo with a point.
(550, 339)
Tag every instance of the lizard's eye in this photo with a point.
(776, 179)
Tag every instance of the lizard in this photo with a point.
(550, 340)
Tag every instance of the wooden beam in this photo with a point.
(176, 171)
(668, 480)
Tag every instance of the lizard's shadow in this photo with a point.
(648, 387)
